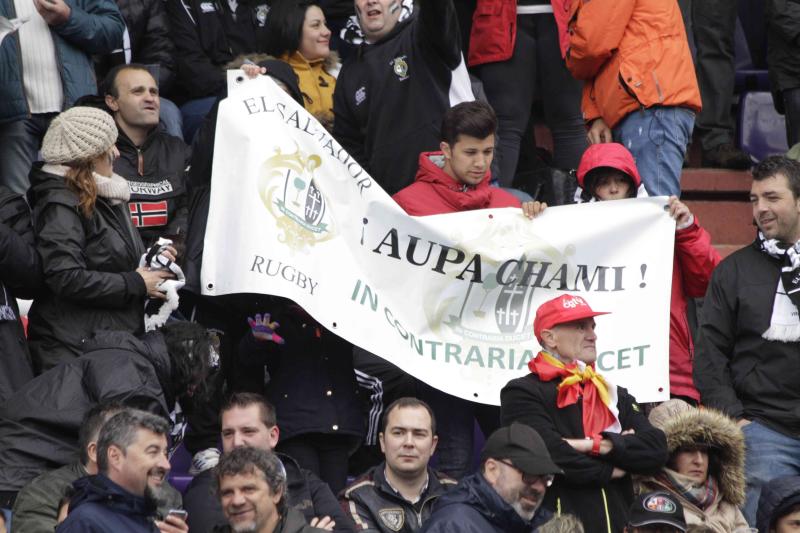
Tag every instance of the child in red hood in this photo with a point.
(457, 178)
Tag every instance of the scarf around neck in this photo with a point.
(701, 496)
(784, 324)
(580, 380)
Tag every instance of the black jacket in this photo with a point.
(735, 369)
(99, 506)
(586, 488)
(147, 29)
(89, 266)
(375, 506)
(777, 497)
(159, 195)
(20, 276)
(474, 507)
(783, 51)
(391, 96)
(307, 494)
(39, 423)
(207, 37)
(312, 382)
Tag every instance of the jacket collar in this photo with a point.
(459, 196)
(101, 490)
(433, 488)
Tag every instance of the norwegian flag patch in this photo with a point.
(148, 214)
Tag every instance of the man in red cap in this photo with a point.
(594, 430)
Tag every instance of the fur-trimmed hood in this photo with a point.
(686, 426)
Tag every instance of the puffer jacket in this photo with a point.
(148, 31)
(474, 507)
(20, 276)
(89, 267)
(100, 505)
(633, 54)
(689, 426)
(93, 27)
(375, 506)
(156, 174)
(39, 423)
(434, 192)
(777, 496)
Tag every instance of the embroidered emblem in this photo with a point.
(660, 503)
(261, 14)
(400, 67)
(393, 518)
(207, 7)
(361, 95)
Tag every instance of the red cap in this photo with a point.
(613, 155)
(565, 308)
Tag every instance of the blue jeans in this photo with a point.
(19, 145)
(171, 119)
(193, 113)
(657, 137)
(769, 455)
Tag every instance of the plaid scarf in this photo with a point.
(784, 324)
(599, 412)
(701, 496)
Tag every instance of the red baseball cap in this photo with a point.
(565, 308)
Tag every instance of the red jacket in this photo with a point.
(692, 264)
(494, 30)
(434, 192)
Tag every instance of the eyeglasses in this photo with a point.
(531, 479)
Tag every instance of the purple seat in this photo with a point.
(180, 481)
(762, 131)
(179, 476)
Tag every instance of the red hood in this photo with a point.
(612, 155)
(430, 172)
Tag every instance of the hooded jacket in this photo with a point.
(308, 495)
(99, 505)
(691, 426)
(777, 497)
(434, 192)
(89, 266)
(692, 264)
(20, 276)
(156, 174)
(391, 95)
(39, 424)
(632, 54)
(374, 505)
(474, 507)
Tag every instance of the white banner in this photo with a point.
(450, 298)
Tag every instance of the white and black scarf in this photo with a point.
(784, 325)
(352, 32)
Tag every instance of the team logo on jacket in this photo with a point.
(289, 192)
(400, 67)
(361, 95)
(261, 14)
(149, 214)
(393, 518)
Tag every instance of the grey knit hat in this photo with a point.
(78, 134)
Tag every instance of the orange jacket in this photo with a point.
(632, 54)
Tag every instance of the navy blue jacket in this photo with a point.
(474, 507)
(93, 27)
(100, 505)
(777, 497)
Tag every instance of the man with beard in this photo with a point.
(122, 497)
(505, 496)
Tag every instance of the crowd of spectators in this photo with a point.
(104, 196)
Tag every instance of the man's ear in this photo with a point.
(445, 148)
(111, 102)
(381, 442)
(548, 338)
(91, 451)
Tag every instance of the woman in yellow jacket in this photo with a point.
(298, 34)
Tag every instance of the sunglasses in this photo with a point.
(531, 479)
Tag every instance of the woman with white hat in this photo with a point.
(89, 248)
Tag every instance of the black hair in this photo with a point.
(121, 429)
(246, 399)
(778, 164)
(189, 348)
(109, 83)
(247, 460)
(407, 401)
(593, 176)
(284, 29)
(92, 421)
(476, 119)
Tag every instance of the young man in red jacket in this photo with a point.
(457, 177)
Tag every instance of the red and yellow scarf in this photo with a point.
(597, 407)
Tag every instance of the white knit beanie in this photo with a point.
(78, 134)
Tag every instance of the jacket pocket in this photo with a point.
(494, 32)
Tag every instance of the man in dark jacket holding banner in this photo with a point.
(506, 495)
(593, 429)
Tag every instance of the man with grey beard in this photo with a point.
(506, 495)
(123, 496)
